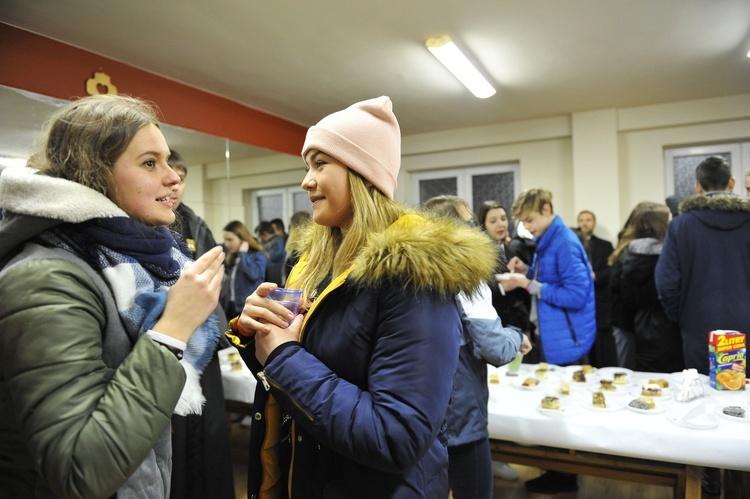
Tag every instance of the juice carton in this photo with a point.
(726, 354)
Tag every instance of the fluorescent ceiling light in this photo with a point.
(452, 58)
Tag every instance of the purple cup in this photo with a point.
(288, 297)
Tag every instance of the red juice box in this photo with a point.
(727, 358)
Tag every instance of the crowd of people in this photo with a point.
(378, 386)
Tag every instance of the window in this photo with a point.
(475, 185)
(278, 203)
(680, 164)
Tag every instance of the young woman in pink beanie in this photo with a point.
(353, 393)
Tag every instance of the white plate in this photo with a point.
(619, 390)
(563, 412)
(707, 422)
(571, 369)
(518, 383)
(659, 407)
(746, 419)
(609, 373)
(613, 404)
(666, 393)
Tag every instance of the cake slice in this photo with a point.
(551, 402)
(599, 401)
(564, 389)
(579, 376)
(651, 390)
(606, 385)
(643, 403)
(530, 382)
(621, 378)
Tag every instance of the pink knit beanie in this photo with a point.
(365, 137)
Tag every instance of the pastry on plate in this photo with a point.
(564, 389)
(494, 378)
(643, 403)
(530, 382)
(551, 402)
(651, 390)
(661, 382)
(598, 400)
(579, 376)
(607, 385)
(621, 378)
(541, 373)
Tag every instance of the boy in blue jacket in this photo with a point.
(562, 305)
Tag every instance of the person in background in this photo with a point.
(512, 307)
(658, 345)
(704, 269)
(278, 229)
(364, 390)
(603, 352)
(193, 229)
(747, 183)
(562, 290)
(292, 250)
(621, 316)
(201, 453)
(484, 340)
(273, 245)
(245, 267)
(86, 254)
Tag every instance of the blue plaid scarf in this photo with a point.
(140, 264)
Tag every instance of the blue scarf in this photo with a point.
(140, 264)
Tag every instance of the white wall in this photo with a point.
(604, 160)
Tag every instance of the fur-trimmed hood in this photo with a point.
(721, 210)
(33, 202)
(646, 246)
(435, 254)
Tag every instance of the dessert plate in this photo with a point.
(609, 373)
(518, 383)
(565, 411)
(613, 404)
(705, 421)
(746, 419)
(666, 393)
(659, 408)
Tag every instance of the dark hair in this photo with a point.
(264, 227)
(484, 209)
(278, 224)
(175, 161)
(653, 221)
(713, 174)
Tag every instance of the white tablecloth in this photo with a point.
(238, 385)
(514, 415)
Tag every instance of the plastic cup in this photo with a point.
(515, 364)
(288, 297)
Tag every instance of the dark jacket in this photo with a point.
(704, 271)
(599, 251)
(368, 387)
(194, 231)
(567, 316)
(241, 280)
(512, 306)
(201, 457)
(658, 344)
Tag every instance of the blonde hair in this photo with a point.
(83, 140)
(531, 200)
(328, 251)
(298, 220)
(447, 206)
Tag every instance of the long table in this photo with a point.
(648, 447)
(622, 444)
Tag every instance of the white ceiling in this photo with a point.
(302, 60)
